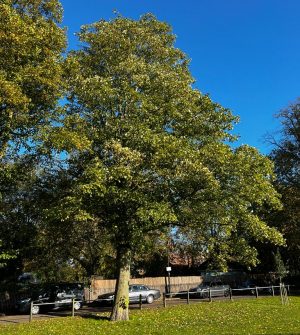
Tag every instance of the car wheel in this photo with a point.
(226, 293)
(77, 305)
(150, 299)
(35, 309)
(205, 295)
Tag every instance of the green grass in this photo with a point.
(255, 316)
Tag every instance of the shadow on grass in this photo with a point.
(94, 317)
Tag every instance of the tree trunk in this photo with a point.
(120, 308)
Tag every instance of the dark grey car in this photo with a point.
(213, 289)
(135, 291)
(52, 296)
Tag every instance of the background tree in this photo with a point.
(147, 148)
(5, 256)
(16, 226)
(286, 156)
(151, 258)
(228, 224)
(31, 44)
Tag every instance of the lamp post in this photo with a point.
(168, 269)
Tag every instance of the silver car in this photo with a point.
(213, 289)
(135, 292)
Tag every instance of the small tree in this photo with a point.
(280, 268)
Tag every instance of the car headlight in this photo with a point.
(24, 301)
(101, 297)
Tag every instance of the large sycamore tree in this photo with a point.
(31, 44)
(146, 150)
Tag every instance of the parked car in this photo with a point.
(135, 291)
(56, 296)
(213, 289)
(245, 288)
(250, 287)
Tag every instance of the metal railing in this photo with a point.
(63, 303)
(204, 294)
(283, 291)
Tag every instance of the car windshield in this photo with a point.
(135, 288)
(218, 283)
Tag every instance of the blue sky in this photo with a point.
(244, 53)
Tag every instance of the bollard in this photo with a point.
(73, 309)
(140, 302)
(273, 293)
(256, 291)
(209, 293)
(30, 315)
(164, 300)
(188, 296)
(230, 293)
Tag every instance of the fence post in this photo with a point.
(273, 293)
(209, 294)
(30, 315)
(164, 300)
(73, 310)
(90, 288)
(140, 301)
(256, 291)
(188, 296)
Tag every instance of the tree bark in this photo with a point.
(120, 308)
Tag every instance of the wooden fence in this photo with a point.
(101, 286)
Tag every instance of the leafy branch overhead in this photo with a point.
(31, 44)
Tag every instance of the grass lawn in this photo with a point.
(255, 316)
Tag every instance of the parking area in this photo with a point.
(88, 311)
(98, 310)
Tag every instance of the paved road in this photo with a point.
(10, 319)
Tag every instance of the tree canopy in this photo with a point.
(31, 44)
